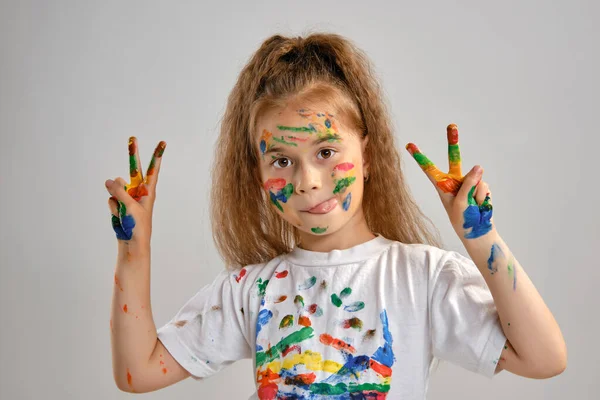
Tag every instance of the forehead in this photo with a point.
(298, 120)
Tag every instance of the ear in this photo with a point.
(365, 158)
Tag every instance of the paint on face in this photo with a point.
(319, 229)
(450, 182)
(343, 177)
(279, 191)
(347, 200)
(477, 217)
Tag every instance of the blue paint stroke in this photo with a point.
(310, 282)
(495, 249)
(356, 306)
(346, 203)
(477, 217)
(124, 225)
(385, 354)
(263, 318)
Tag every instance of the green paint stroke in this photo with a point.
(273, 352)
(319, 230)
(287, 321)
(332, 137)
(453, 153)
(336, 300)
(422, 159)
(327, 389)
(342, 184)
(353, 387)
(346, 292)
(262, 286)
(299, 300)
(296, 128)
(284, 142)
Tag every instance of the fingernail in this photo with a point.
(108, 182)
(477, 169)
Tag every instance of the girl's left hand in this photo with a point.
(467, 199)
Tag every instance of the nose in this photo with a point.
(307, 179)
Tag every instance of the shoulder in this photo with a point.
(428, 258)
(253, 274)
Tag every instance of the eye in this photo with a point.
(327, 153)
(286, 163)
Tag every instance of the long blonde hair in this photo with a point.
(323, 66)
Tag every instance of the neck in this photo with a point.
(355, 232)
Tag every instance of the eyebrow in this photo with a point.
(327, 138)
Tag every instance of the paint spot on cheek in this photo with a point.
(347, 200)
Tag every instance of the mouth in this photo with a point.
(324, 207)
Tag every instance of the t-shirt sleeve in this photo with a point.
(465, 328)
(207, 333)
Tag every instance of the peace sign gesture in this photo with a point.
(466, 198)
(131, 204)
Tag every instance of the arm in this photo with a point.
(140, 361)
(535, 347)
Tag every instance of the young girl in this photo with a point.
(334, 285)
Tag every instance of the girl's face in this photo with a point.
(311, 168)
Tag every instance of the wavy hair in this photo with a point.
(321, 66)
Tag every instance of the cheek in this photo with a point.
(344, 178)
(278, 191)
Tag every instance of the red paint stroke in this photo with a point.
(343, 167)
(338, 344)
(117, 282)
(125, 308)
(275, 183)
(301, 379)
(381, 369)
(129, 378)
(281, 274)
(297, 139)
(452, 131)
(268, 387)
(241, 275)
(290, 349)
(304, 321)
(281, 299)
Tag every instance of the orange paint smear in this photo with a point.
(338, 344)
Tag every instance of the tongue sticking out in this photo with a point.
(324, 207)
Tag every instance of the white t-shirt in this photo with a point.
(354, 323)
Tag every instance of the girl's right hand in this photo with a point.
(131, 204)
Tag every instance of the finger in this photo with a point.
(466, 194)
(482, 193)
(113, 206)
(135, 172)
(453, 151)
(117, 190)
(426, 165)
(154, 167)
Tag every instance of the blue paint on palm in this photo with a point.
(478, 218)
(124, 225)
